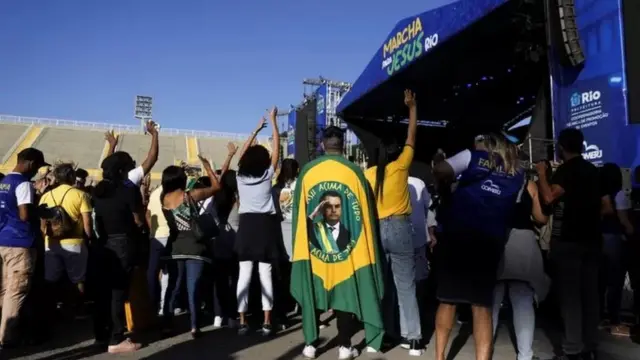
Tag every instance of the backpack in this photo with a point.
(59, 223)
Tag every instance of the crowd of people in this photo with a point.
(475, 234)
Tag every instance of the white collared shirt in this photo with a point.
(335, 230)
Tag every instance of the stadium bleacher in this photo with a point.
(84, 143)
(9, 135)
(82, 147)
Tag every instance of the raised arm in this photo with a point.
(275, 137)
(250, 140)
(410, 101)
(232, 150)
(152, 156)
(112, 139)
(203, 194)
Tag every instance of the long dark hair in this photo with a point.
(114, 174)
(385, 154)
(227, 196)
(288, 172)
(255, 161)
(173, 178)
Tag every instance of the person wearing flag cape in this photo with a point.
(336, 261)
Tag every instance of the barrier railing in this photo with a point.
(121, 128)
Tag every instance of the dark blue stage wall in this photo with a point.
(321, 115)
(594, 101)
(412, 38)
(291, 133)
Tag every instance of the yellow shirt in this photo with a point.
(75, 203)
(159, 226)
(395, 195)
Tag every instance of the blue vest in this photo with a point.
(13, 231)
(485, 199)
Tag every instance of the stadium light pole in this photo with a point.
(142, 110)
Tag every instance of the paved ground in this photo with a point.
(73, 341)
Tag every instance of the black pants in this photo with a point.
(347, 327)
(576, 279)
(112, 289)
(283, 302)
(225, 282)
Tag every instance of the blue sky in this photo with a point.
(209, 64)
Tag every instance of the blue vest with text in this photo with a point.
(485, 198)
(13, 231)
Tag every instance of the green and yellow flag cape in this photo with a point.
(344, 273)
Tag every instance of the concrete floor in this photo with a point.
(73, 341)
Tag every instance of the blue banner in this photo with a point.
(413, 38)
(321, 115)
(594, 101)
(291, 133)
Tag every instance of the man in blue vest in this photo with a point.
(17, 234)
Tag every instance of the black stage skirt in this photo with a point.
(259, 238)
(467, 268)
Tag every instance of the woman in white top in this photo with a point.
(259, 235)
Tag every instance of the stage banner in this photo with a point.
(321, 115)
(291, 134)
(592, 98)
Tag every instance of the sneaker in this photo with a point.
(126, 346)
(309, 352)
(217, 322)
(178, 311)
(620, 330)
(372, 350)
(415, 348)
(266, 329)
(405, 343)
(345, 353)
(243, 329)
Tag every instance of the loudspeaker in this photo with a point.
(305, 132)
(631, 26)
(570, 36)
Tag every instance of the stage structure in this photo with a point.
(328, 94)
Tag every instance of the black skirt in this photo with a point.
(467, 268)
(259, 238)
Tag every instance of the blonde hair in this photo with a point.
(499, 148)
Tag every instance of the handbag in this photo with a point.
(204, 226)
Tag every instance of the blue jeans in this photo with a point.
(614, 272)
(192, 271)
(156, 251)
(397, 243)
(524, 316)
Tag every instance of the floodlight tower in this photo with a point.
(142, 110)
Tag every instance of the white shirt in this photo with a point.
(255, 193)
(136, 175)
(459, 162)
(420, 200)
(335, 230)
(623, 202)
(24, 192)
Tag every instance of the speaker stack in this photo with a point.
(570, 37)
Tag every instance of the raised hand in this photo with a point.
(232, 148)
(409, 98)
(152, 127)
(204, 161)
(111, 138)
(274, 113)
(317, 209)
(262, 124)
